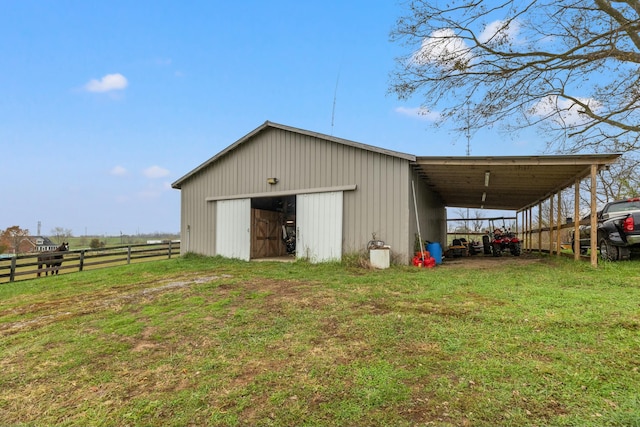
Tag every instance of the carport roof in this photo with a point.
(514, 182)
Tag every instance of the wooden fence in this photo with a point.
(24, 267)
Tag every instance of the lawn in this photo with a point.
(207, 341)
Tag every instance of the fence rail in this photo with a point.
(23, 267)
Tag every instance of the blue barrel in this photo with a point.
(435, 250)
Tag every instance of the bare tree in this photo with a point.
(61, 234)
(477, 222)
(569, 65)
(619, 181)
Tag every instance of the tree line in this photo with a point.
(12, 238)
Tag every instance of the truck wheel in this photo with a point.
(624, 254)
(608, 252)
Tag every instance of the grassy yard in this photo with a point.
(206, 341)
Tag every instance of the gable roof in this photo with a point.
(271, 125)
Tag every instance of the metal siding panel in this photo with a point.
(233, 239)
(319, 223)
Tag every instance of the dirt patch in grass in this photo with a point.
(48, 312)
(481, 262)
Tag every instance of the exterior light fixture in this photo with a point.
(272, 181)
(486, 178)
(484, 197)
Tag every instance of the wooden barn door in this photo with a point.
(266, 234)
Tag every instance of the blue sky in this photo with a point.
(104, 104)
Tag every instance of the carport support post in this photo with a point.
(540, 227)
(551, 225)
(594, 222)
(576, 220)
(529, 231)
(559, 224)
(530, 228)
(529, 211)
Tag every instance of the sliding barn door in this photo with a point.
(233, 228)
(319, 226)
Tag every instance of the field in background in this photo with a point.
(207, 341)
(29, 266)
(83, 242)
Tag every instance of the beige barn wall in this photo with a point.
(380, 204)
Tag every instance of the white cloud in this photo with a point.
(563, 110)
(107, 83)
(155, 172)
(419, 113)
(500, 32)
(444, 48)
(118, 171)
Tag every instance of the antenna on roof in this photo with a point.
(335, 95)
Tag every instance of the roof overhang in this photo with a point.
(505, 182)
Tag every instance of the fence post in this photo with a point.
(12, 275)
(129, 254)
(81, 260)
(169, 249)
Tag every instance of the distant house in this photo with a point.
(36, 244)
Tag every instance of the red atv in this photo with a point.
(505, 240)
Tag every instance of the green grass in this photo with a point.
(207, 341)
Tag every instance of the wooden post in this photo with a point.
(530, 245)
(129, 254)
(551, 224)
(559, 224)
(169, 249)
(526, 226)
(576, 221)
(81, 260)
(594, 220)
(540, 227)
(12, 274)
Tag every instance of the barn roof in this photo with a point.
(504, 182)
(266, 125)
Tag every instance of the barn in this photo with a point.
(336, 195)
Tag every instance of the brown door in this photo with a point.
(266, 234)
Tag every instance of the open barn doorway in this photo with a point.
(273, 227)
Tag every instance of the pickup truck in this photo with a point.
(618, 230)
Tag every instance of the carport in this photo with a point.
(518, 183)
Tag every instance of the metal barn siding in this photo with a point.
(319, 226)
(233, 222)
(431, 213)
(198, 219)
(305, 162)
